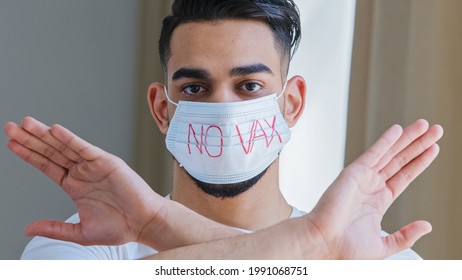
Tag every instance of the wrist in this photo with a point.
(314, 242)
(298, 238)
(153, 226)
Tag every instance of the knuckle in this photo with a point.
(49, 152)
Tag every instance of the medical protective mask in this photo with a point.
(224, 143)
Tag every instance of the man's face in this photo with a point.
(223, 61)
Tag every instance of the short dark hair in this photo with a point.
(282, 16)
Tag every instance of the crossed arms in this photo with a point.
(116, 206)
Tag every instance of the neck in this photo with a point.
(259, 207)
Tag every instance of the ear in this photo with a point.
(158, 105)
(294, 100)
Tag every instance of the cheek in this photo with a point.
(171, 109)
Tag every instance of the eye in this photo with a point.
(192, 89)
(251, 87)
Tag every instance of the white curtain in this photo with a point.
(407, 64)
(315, 154)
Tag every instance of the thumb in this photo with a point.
(57, 230)
(406, 237)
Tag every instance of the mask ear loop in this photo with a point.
(282, 92)
(168, 97)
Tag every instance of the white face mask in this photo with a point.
(224, 143)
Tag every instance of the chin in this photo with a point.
(227, 190)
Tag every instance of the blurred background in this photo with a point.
(368, 64)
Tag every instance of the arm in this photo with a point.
(115, 205)
(346, 221)
(291, 239)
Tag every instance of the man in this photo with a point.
(226, 110)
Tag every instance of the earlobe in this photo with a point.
(158, 106)
(294, 100)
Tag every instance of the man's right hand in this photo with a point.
(113, 202)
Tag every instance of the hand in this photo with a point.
(349, 214)
(113, 202)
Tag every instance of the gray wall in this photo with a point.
(68, 62)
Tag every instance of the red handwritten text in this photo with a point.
(259, 130)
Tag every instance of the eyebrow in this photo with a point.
(199, 73)
(195, 73)
(250, 69)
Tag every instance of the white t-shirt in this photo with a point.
(41, 248)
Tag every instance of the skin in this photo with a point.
(112, 198)
(246, 43)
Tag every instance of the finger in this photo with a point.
(84, 149)
(375, 153)
(43, 132)
(52, 170)
(399, 182)
(412, 151)
(410, 134)
(405, 237)
(57, 230)
(30, 141)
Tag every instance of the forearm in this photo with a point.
(291, 239)
(175, 225)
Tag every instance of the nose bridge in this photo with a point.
(223, 92)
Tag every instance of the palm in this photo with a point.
(349, 214)
(362, 231)
(97, 200)
(113, 202)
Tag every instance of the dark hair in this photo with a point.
(282, 16)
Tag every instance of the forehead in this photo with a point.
(221, 45)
